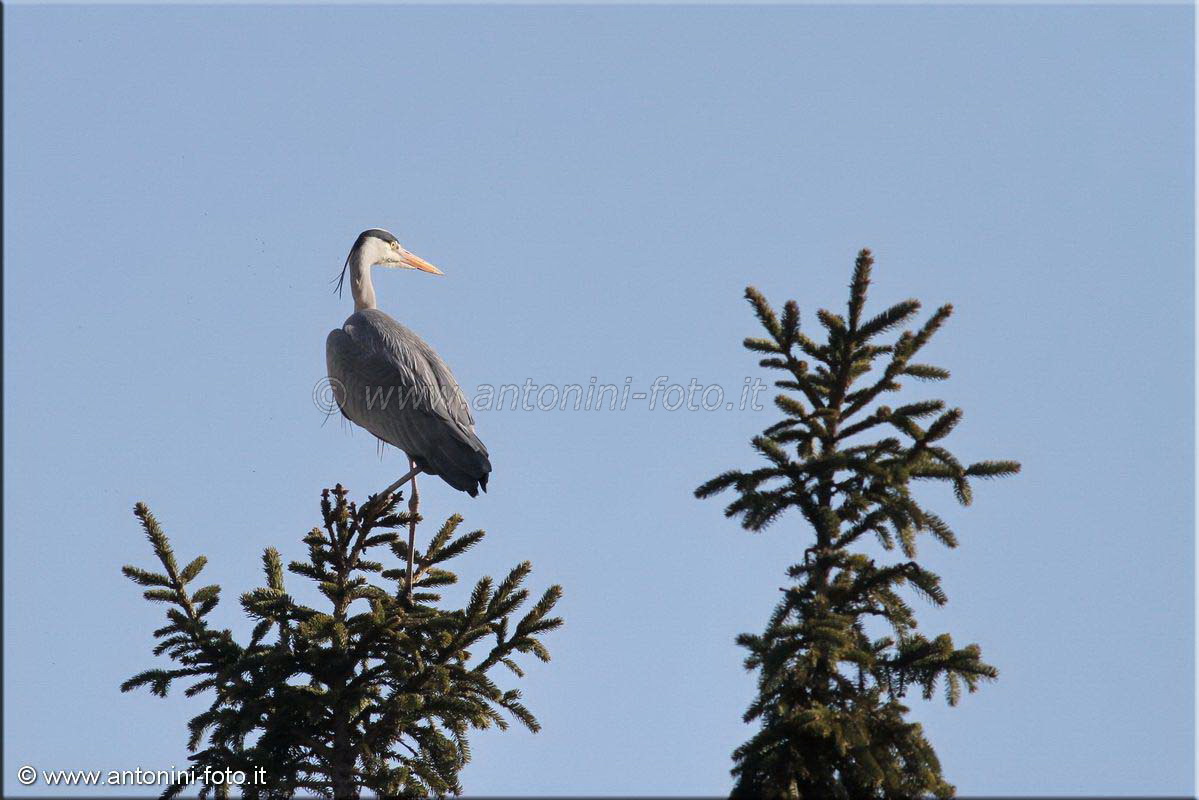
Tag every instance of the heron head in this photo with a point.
(377, 247)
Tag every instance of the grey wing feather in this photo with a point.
(394, 385)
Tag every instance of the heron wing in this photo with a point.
(394, 385)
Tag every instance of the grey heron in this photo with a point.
(390, 382)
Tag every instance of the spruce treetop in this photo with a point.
(379, 692)
(832, 724)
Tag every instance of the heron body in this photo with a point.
(393, 384)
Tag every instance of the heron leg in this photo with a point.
(413, 503)
(411, 476)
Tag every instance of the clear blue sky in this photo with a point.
(599, 185)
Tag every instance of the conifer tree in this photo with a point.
(841, 650)
(377, 693)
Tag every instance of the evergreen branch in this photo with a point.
(192, 570)
(858, 287)
(993, 469)
(833, 323)
(145, 577)
(930, 327)
(764, 312)
(926, 372)
(718, 484)
(790, 326)
(881, 323)
(759, 345)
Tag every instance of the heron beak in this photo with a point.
(412, 261)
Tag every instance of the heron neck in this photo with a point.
(360, 283)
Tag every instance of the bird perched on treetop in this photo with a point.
(387, 380)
